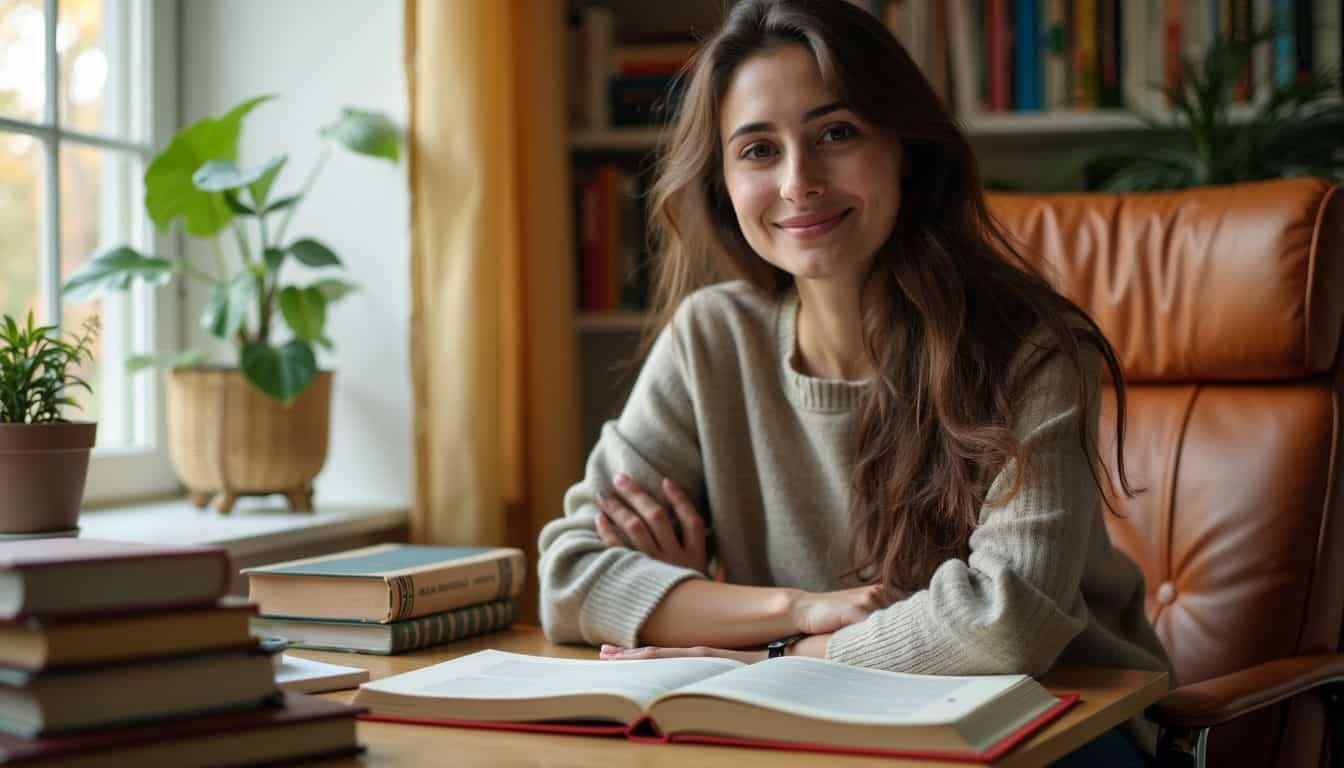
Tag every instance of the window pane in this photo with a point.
(23, 62)
(21, 196)
(100, 194)
(94, 56)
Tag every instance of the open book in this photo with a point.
(785, 703)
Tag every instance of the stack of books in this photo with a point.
(115, 653)
(387, 598)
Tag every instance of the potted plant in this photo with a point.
(257, 424)
(44, 458)
(1297, 130)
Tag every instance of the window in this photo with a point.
(85, 101)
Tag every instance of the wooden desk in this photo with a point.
(1109, 697)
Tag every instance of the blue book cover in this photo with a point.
(1027, 59)
(377, 562)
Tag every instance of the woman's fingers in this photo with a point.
(606, 530)
(629, 523)
(692, 527)
(658, 523)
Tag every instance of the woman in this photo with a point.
(888, 417)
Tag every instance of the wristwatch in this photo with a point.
(775, 648)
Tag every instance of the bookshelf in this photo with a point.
(1034, 107)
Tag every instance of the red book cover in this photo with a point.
(269, 732)
(75, 577)
(996, 54)
(591, 243)
(646, 732)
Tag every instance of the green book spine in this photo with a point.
(452, 625)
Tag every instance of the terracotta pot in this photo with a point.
(228, 439)
(42, 472)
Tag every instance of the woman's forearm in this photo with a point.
(701, 612)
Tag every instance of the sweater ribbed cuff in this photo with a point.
(620, 602)
(896, 639)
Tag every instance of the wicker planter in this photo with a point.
(42, 472)
(226, 439)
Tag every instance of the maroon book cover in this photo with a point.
(297, 709)
(77, 577)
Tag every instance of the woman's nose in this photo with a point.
(802, 179)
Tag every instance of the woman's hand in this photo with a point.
(617, 653)
(817, 613)
(636, 517)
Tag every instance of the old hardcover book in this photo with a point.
(785, 703)
(301, 728)
(387, 582)
(50, 702)
(65, 577)
(35, 644)
(396, 637)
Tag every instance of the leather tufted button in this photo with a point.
(1166, 593)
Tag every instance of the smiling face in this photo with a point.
(815, 188)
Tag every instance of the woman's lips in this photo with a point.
(818, 229)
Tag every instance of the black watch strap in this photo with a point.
(775, 648)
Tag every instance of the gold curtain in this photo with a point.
(492, 289)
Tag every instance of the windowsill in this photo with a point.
(255, 526)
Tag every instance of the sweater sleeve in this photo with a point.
(592, 593)
(1015, 603)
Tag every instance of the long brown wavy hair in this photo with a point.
(956, 298)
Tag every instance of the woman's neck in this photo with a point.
(830, 332)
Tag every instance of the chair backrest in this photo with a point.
(1225, 307)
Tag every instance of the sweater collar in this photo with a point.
(806, 392)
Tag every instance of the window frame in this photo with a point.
(142, 469)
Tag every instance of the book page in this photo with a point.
(830, 690)
(499, 675)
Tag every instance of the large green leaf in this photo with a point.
(227, 305)
(334, 290)
(115, 270)
(314, 254)
(365, 132)
(185, 358)
(305, 309)
(169, 191)
(281, 372)
(227, 175)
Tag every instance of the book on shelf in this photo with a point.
(34, 703)
(386, 582)
(395, 637)
(35, 643)
(299, 675)
(300, 728)
(613, 266)
(71, 577)
(785, 703)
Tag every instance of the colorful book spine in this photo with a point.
(1027, 57)
(451, 626)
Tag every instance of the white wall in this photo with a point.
(317, 56)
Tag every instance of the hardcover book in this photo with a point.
(67, 577)
(387, 582)
(55, 643)
(303, 728)
(95, 697)
(396, 637)
(785, 703)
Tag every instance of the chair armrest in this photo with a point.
(1220, 699)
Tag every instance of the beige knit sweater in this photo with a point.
(766, 453)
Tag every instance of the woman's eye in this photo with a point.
(756, 152)
(837, 133)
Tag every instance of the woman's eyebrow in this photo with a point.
(811, 114)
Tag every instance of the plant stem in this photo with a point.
(243, 248)
(219, 259)
(191, 271)
(303, 192)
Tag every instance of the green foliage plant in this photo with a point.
(1297, 130)
(198, 179)
(35, 376)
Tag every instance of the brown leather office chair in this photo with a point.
(1225, 306)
